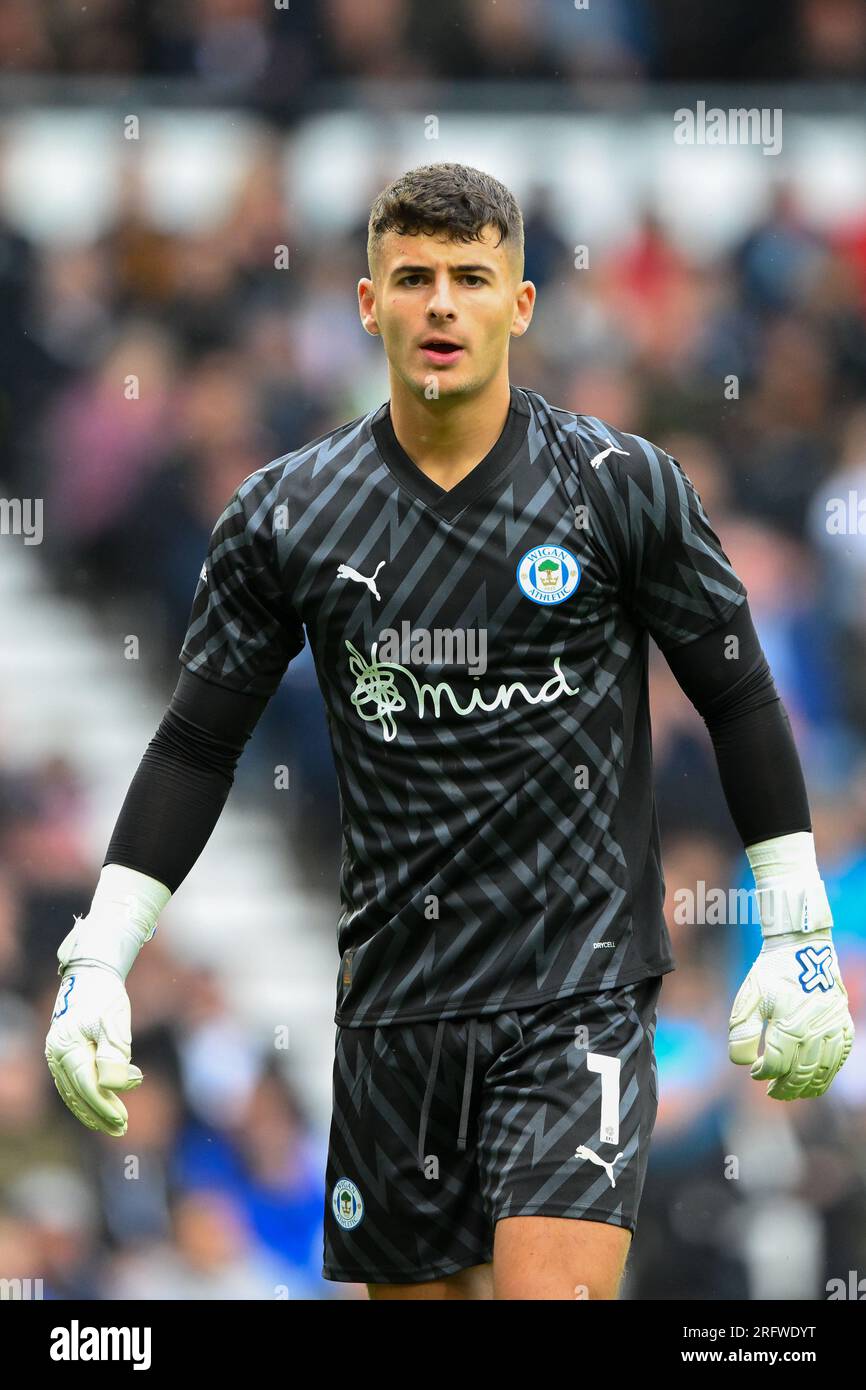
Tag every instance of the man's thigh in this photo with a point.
(534, 1257)
(554, 1257)
(566, 1119)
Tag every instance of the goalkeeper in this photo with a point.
(494, 906)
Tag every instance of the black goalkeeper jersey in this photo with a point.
(482, 653)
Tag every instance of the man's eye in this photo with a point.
(412, 280)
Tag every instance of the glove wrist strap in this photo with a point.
(123, 916)
(790, 891)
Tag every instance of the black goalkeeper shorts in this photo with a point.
(441, 1129)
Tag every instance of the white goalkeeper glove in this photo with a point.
(89, 1043)
(795, 986)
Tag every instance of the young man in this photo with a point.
(477, 573)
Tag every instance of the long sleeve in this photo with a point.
(183, 780)
(730, 685)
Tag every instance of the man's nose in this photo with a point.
(441, 301)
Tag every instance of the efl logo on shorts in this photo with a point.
(347, 1204)
(548, 574)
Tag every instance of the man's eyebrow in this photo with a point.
(460, 269)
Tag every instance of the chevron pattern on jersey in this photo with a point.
(500, 844)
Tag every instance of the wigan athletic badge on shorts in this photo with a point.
(347, 1204)
(548, 574)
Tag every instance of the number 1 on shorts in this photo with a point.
(608, 1068)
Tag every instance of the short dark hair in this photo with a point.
(450, 198)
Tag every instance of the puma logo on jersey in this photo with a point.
(583, 1152)
(599, 459)
(346, 572)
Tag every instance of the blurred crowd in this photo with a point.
(272, 51)
(750, 370)
(219, 1193)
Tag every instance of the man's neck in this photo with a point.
(447, 437)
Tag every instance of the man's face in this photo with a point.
(427, 293)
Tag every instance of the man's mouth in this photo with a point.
(441, 350)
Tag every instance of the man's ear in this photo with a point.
(518, 328)
(366, 306)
